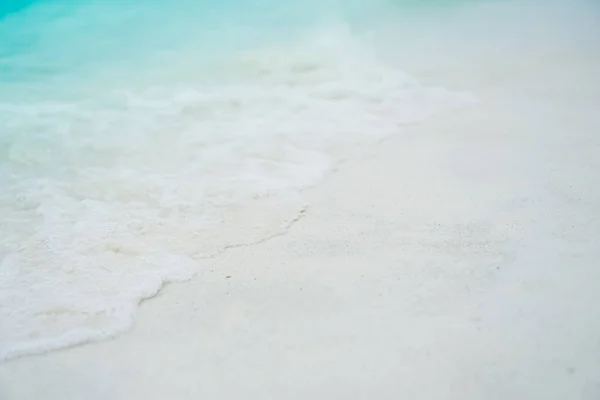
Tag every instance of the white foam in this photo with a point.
(108, 196)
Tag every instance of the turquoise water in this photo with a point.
(139, 138)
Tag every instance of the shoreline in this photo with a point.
(451, 273)
(455, 259)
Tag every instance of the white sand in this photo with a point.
(457, 260)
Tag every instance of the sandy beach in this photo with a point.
(465, 267)
(458, 259)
